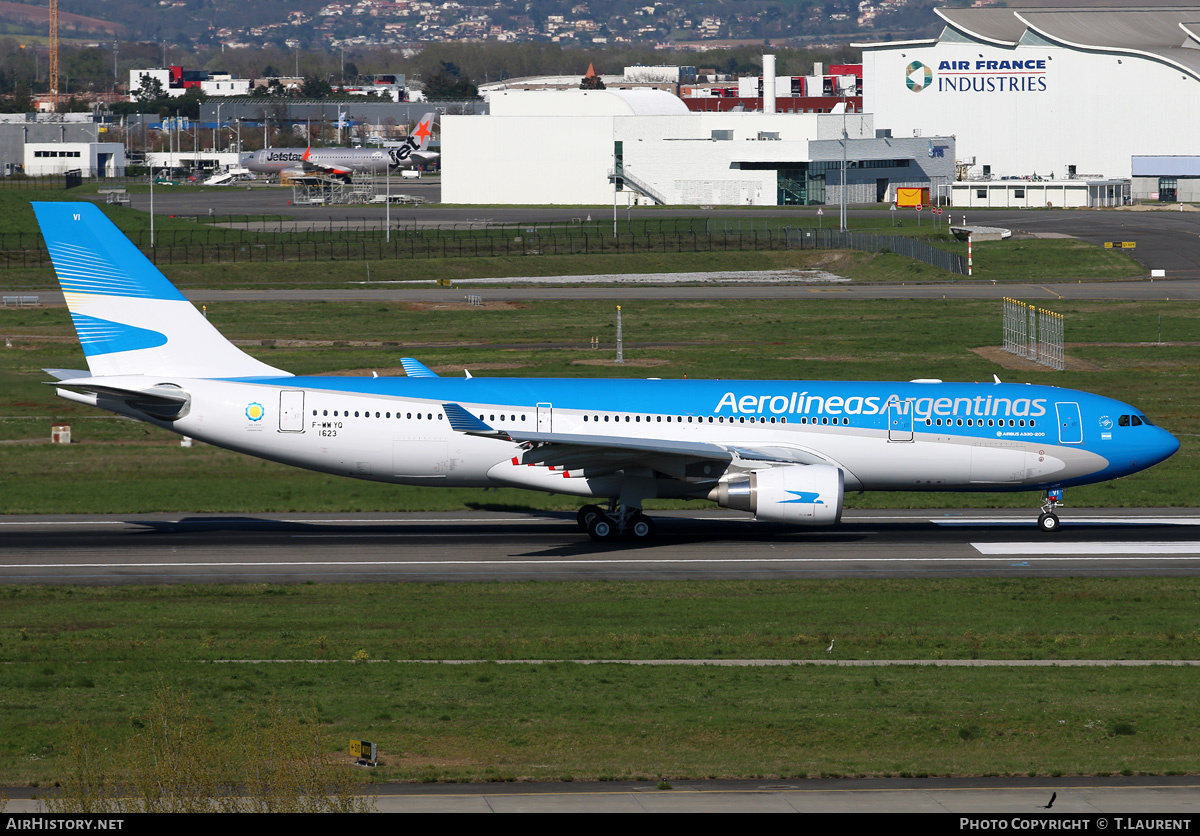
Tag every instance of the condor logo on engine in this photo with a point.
(803, 496)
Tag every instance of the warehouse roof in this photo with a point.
(1167, 33)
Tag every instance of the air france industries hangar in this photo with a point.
(1059, 92)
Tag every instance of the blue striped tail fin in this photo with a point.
(129, 317)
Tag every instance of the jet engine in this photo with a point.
(797, 494)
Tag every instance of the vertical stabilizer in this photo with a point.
(130, 319)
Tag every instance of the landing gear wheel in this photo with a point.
(1049, 524)
(641, 528)
(586, 514)
(602, 529)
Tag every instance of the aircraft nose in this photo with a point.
(1163, 446)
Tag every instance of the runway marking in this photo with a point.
(228, 520)
(1071, 522)
(1111, 548)
(752, 663)
(253, 521)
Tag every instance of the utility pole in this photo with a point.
(845, 142)
(54, 55)
(620, 340)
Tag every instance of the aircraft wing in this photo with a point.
(328, 168)
(578, 450)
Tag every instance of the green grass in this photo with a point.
(1060, 618)
(1028, 260)
(95, 655)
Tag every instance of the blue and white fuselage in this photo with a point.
(784, 450)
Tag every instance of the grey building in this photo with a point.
(18, 130)
(1170, 179)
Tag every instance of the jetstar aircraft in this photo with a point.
(784, 450)
(344, 162)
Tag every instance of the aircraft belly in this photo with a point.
(964, 463)
(551, 480)
(998, 463)
(920, 464)
(423, 457)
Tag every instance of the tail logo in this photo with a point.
(103, 336)
(422, 132)
(255, 412)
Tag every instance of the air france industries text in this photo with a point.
(993, 84)
(989, 76)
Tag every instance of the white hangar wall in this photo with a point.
(1036, 105)
(521, 154)
(526, 159)
(680, 159)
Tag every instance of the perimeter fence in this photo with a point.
(68, 180)
(225, 240)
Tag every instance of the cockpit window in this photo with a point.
(1147, 421)
(1123, 421)
(1135, 421)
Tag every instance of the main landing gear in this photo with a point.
(605, 526)
(1048, 521)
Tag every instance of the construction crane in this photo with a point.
(54, 54)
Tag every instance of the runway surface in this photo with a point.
(1081, 802)
(489, 546)
(1145, 290)
(1178, 289)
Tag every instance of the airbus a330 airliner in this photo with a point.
(785, 451)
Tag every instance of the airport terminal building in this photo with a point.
(1053, 92)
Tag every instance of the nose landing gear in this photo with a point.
(1048, 521)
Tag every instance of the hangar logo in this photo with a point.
(918, 76)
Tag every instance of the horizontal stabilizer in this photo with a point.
(67, 374)
(415, 368)
(161, 401)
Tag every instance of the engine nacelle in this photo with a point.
(798, 494)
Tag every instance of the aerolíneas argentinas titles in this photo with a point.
(784, 450)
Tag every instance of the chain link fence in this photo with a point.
(836, 239)
(223, 240)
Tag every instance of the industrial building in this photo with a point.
(1040, 194)
(1166, 179)
(1068, 93)
(91, 159)
(588, 147)
(20, 132)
